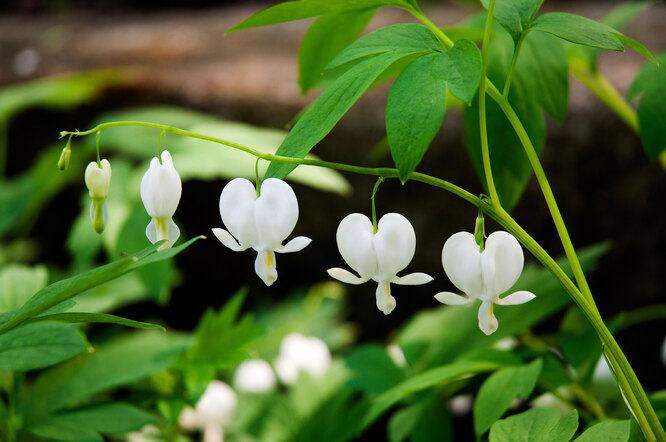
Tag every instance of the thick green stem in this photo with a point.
(483, 130)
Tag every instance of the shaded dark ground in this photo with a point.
(606, 187)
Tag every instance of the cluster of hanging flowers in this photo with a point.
(263, 217)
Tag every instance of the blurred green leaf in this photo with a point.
(18, 283)
(650, 87)
(427, 420)
(114, 363)
(327, 36)
(577, 29)
(86, 423)
(498, 392)
(435, 376)
(62, 91)
(221, 338)
(535, 425)
(372, 369)
(103, 318)
(608, 431)
(298, 10)
(39, 345)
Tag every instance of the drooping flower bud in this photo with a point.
(160, 192)
(98, 179)
(63, 161)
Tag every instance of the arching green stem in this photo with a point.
(374, 211)
(159, 146)
(257, 179)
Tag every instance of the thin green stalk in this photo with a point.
(485, 151)
(512, 68)
(374, 211)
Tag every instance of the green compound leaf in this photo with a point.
(39, 345)
(535, 425)
(403, 38)
(515, 15)
(498, 392)
(609, 431)
(298, 10)
(115, 363)
(417, 101)
(327, 36)
(324, 113)
(650, 86)
(85, 424)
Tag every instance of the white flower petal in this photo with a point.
(452, 298)
(502, 262)
(217, 405)
(487, 320)
(516, 298)
(173, 233)
(228, 240)
(300, 353)
(286, 370)
(254, 376)
(237, 211)
(395, 243)
(412, 279)
(98, 178)
(151, 231)
(461, 260)
(295, 245)
(355, 242)
(264, 265)
(385, 302)
(161, 188)
(345, 276)
(275, 213)
(213, 433)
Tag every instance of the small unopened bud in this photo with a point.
(98, 179)
(63, 162)
(480, 230)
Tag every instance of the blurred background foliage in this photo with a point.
(217, 313)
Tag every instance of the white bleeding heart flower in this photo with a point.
(378, 256)
(262, 222)
(160, 192)
(254, 376)
(98, 179)
(300, 353)
(483, 275)
(212, 412)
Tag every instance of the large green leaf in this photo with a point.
(650, 86)
(436, 376)
(607, 431)
(515, 15)
(298, 10)
(115, 363)
(327, 36)
(324, 113)
(499, 391)
(417, 100)
(86, 423)
(536, 425)
(372, 369)
(39, 345)
(68, 288)
(400, 39)
(18, 283)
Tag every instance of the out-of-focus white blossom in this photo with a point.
(212, 412)
(254, 376)
(299, 353)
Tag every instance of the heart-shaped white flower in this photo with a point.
(160, 192)
(378, 256)
(262, 222)
(483, 275)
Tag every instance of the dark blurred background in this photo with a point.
(176, 53)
